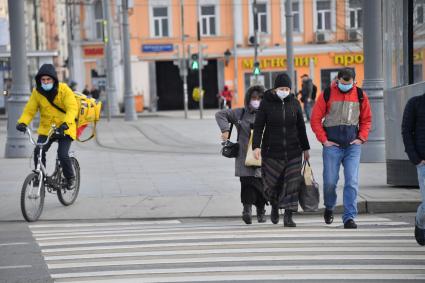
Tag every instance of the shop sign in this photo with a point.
(157, 47)
(278, 63)
(348, 59)
(94, 51)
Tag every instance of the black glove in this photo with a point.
(21, 127)
(62, 128)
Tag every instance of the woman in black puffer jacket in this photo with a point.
(279, 130)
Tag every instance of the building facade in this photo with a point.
(327, 37)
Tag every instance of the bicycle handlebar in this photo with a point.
(49, 135)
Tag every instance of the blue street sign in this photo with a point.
(157, 47)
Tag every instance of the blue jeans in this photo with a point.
(308, 106)
(420, 215)
(349, 157)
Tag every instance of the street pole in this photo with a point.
(130, 111)
(289, 45)
(70, 38)
(17, 145)
(183, 64)
(373, 84)
(111, 91)
(200, 60)
(255, 12)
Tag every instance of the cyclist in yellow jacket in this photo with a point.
(49, 95)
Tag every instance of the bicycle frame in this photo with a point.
(40, 169)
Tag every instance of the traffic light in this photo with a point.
(257, 70)
(195, 62)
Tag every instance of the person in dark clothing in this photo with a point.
(95, 93)
(86, 90)
(413, 131)
(308, 95)
(280, 138)
(250, 177)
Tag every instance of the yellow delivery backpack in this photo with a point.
(88, 113)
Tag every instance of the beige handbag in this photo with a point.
(250, 160)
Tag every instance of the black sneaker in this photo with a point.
(287, 219)
(350, 224)
(261, 214)
(247, 213)
(419, 235)
(274, 215)
(328, 216)
(70, 183)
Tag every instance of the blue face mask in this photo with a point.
(345, 88)
(47, 87)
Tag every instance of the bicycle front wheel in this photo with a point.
(68, 196)
(32, 199)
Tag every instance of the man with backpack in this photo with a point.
(48, 97)
(413, 131)
(347, 121)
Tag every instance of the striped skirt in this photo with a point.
(282, 180)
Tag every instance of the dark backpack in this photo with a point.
(327, 95)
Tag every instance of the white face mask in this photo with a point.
(255, 104)
(282, 93)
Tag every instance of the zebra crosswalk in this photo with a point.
(227, 251)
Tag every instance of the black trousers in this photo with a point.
(64, 144)
(252, 191)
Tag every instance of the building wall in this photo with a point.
(336, 52)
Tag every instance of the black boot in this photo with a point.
(247, 213)
(261, 214)
(274, 215)
(287, 219)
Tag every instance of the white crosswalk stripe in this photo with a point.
(227, 251)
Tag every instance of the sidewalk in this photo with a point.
(168, 167)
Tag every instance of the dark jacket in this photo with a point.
(225, 117)
(413, 129)
(283, 124)
(307, 90)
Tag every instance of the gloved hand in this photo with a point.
(62, 128)
(21, 127)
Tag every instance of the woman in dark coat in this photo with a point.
(280, 138)
(250, 177)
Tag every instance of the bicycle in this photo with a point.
(35, 184)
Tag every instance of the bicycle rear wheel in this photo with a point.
(32, 203)
(68, 197)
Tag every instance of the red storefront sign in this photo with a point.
(94, 51)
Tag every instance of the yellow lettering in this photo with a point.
(358, 59)
(248, 63)
(339, 60)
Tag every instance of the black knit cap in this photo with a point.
(346, 74)
(282, 80)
